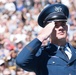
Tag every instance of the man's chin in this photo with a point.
(61, 39)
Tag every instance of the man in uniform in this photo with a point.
(56, 58)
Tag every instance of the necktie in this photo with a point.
(68, 52)
(63, 51)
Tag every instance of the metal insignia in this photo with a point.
(58, 9)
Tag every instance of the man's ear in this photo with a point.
(68, 26)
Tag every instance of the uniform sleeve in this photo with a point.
(26, 59)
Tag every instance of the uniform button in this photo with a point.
(70, 74)
(53, 62)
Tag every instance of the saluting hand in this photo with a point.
(46, 31)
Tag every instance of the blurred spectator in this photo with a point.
(19, 5)
(11, 61)
(20, 71)
(2, 66)
(66, 2)
(6, 72)
(73, 42)
(19, 45)
(10, 7)
(28, 3)
(2, 38)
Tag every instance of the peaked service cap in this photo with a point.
(53, 12)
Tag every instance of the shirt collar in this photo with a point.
(66, 45)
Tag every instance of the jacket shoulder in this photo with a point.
(49, 48)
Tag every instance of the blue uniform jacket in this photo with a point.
(46, 60)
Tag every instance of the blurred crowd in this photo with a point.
(18, 26)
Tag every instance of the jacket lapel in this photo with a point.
(61, 55)
(73, 54)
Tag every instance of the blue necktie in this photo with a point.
(62, 49)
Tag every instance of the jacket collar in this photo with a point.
(73, 53)
(60, 54)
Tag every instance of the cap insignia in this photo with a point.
(58, 9)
